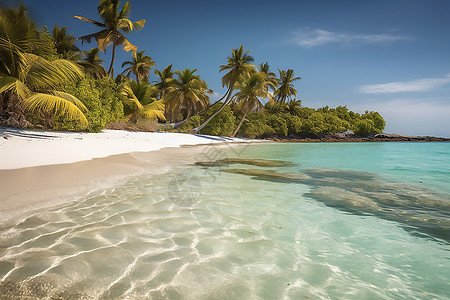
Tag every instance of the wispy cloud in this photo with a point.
(420, 85)
(309, 38)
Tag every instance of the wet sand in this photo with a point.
(29, 189)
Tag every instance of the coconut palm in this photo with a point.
(65, 43)
(238, 65)
(92, 63)
(28, 81)
(166, 80)
(19, 34)
(140, 99)
(271, 78)
(252, 87)
(189, 93)
(286, 88)
(113, 23)
(140, 66)
(294, 106)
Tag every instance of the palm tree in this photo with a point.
(189, 93)
(286, 88)
(113, 22)
(294, 106)
(28, 81)
(65, 43)
(251, 88)
(271, 78)
(140, 66)
(166, 80)
(141, 101)
(92, 63)
(238, 65)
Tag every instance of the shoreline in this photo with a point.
(35, 174)
(31, 148)
(46, 179)
(374, 139)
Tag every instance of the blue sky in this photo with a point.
(390, 56)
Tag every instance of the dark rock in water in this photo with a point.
(415, 208)
(334, 195)
(271, 174)
(258, 162)
(340, 174)
(246, 161)
(211, 163)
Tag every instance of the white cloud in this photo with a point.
(316, 37)
(405, 86)
(412, 116)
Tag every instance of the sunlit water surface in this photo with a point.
(202, 233)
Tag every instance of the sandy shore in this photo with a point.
(40, 169)
(29, 148)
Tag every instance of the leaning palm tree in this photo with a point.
(140, 99)
(271, 78)
(65, 43)
(28, 81)
(286, 88)
(165, 82)
(238, 66)
(92, 63)
(252, 87)
(113, 23)
(189, 93)
(140, 66)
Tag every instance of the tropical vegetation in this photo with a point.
(47, 81)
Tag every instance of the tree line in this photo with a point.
(46, 81)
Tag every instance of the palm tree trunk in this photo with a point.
(196, 130)
(178, 124)
(112, 61)
(184, 121)
(239, 126)
(200, 113)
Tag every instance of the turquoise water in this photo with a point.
(346, 221)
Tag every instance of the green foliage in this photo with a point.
(377, 119)
(256, 126)
(222, 125)
(282, 121)
(364, 127)
(101, 97)
(294, 123)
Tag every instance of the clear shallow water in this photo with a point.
(201, 233)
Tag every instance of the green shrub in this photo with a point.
(221, 125)
(294, 123)
(192, 123)
(102, 99)
(364, 127)
(377, 119)
(255, 126)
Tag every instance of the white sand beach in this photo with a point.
(41, 168)
(30, 148)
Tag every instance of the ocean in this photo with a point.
(262, 221)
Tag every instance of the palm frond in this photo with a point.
(91, 21)
(72, 99)
(52, 103)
